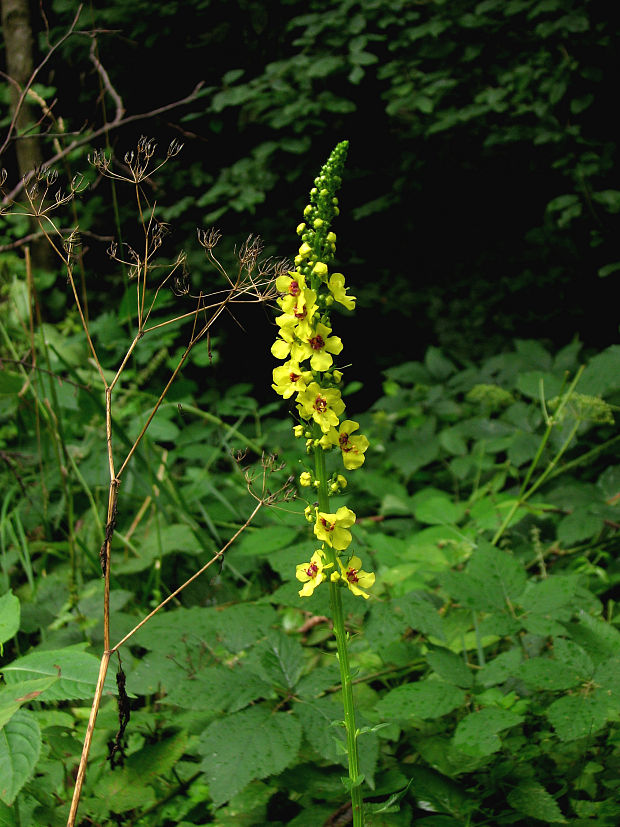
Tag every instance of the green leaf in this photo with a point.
(20, 744)
(497, 671)
(253, 743)
(450, 667)
(421, 614)
(601, 640)
(279, 660)
(437, 364)
(14, 696)
(579, 526)
(477, 733)
(577, 716)
(9, 617)
(498, 570)
(532, 799)
(571, 655)
(547, 674)
(10, 383)
(129, 787)
(267, 539)
(424, 699)
(76, 671)
(436, 508)
(550, 594)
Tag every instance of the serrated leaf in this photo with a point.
(498, 570)
(266, 539)
(76, 679)
(279, 660)
(421, 614)
(497, 671)
(241, 625)
(477, 733)
(438, 510)
(598, 638)
(577, 716)
(253, 743)
(9, 617)
(450, 667)
(548, 674)
(424, 699)
(573, 657)
(20, 744)
(532, 799)
(217, 689)
(550, 594)
(14, 696)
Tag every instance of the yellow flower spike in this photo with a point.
(311, 574)
(338, 291)
(290, 378)
(356, 579)
(324, 406)
(333, 529)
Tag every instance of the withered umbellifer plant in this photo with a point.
(253, 281)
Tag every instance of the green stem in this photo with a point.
(335, 597)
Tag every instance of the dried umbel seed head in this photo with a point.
(3, 177)
(209, 238)
(249, 252)
(174, 148)
(99, 160)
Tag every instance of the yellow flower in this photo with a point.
(305, 479)
(333, 528)
(324, 406)
(339, 292)
(298, 312)
(291, 285)
(318, 346)
(289, 379)
(311, 574)
(352, 447)
(354, 577)
(320, 269)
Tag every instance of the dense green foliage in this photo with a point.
(494, 667)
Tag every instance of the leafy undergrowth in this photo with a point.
(489, 652)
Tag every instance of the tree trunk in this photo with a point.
(19, 64)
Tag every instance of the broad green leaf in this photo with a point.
(17, 694)
(9, 617)
(548, 674)
(437, 510)
(550, 594)
(532, 799)
(253, 743)
(421, 614)
(498, 570)
(601, 640)
(266, 539)
(76, 672)
(445, 794)
(477, 733)
(577, 716)
(20, 744)
(437, 364)
(10, 383)
(424, 699)
(450, 667)
(279, 660)
(579, 526)
(497, 671)
(128, 787)
(239, 626)
(217, 689)
(573, 657)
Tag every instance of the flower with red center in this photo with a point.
(289, 379)
(298, 312)
(352, 447)
(355, 578)
(333, 529)
(324, 406)
(318, 346)
(311, 574)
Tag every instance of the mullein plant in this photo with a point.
(305, 343)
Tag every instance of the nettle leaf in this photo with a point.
(578, 716)
(22, 692)
(317, 681)
(443, 793)
(532, 799)
(424, 699)
(477, 733)
(548, 674)
(600, 639)
(20, 744)
(278, 660)
(579, 526)
(218, 689)
(9, 617)
(253, 743)
(500, 571)
(573, 657)
(497, 671)
(421, 614)
(450, 667)
(550, 594)
(242, 625)
(77, 673)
